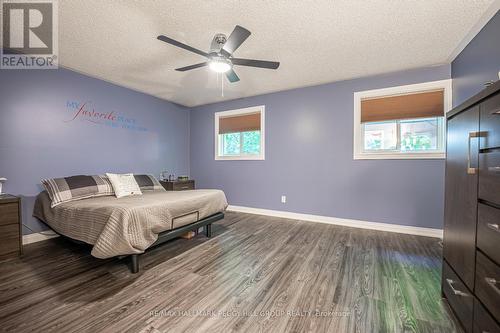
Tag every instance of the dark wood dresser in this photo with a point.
(471, 244)
(178, 185)
(11, 243)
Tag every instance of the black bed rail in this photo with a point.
(171, 234)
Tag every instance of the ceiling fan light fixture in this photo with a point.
(220, 58)
(219, 65)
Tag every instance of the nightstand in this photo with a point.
(178, 185)
(11, 242)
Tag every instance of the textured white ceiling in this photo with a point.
(316, 41)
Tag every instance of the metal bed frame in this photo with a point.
(171, 234)
(165, 236)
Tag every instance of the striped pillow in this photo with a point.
(76, 187)
(148, 183)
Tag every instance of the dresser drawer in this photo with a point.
(488, 231)
(488, 284)
(459, 297)
(181, 186)
(489, 176)
(9, 239)
(9, 213)
(489, 123)
(178, 185)
(483, 323)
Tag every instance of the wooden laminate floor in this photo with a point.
(257, 274)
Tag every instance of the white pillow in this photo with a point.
(124, 185)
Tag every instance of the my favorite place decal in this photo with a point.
(89, 113)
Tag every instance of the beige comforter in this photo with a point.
(131, 224)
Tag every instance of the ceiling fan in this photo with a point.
(220, 57)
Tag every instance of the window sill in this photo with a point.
(240, 158)
(399, 156)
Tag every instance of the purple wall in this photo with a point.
(36, 141)
(478, 63)
(308, 141)
(309, 158)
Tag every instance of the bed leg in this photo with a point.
(208, 230)
(134, 261)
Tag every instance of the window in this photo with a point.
(401, 122)
(239, 134)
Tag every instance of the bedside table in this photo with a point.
(11, 241)
(178, 185)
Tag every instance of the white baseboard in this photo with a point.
(403, 229)
(37, 237)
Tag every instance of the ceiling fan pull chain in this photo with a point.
(222, 90)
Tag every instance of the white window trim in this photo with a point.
(253, 109)
(359, 154)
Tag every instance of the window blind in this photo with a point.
(416, 105)
(239, 123)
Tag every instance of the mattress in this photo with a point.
(131, 224)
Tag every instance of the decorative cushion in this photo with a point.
(124, 184)
(148, 183)
(76, 187)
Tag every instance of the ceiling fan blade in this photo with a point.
(231, 76)
(235, 39)
(182, 45)
(187, 68)
(255, 63)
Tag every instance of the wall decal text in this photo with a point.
(86, 111)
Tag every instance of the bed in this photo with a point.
(132, 224)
